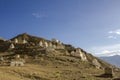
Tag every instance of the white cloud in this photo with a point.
(109, 53)
(112, 37)
(109, 50)
(115, 32)
(110, 32)
(39, 15)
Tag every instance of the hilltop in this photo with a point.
(48, 60)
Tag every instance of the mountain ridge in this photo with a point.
(114, 60)
(51, 54)
(33, 41)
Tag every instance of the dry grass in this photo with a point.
(49, 72)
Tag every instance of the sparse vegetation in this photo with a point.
(43, 64)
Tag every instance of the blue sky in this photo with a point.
(93, 25)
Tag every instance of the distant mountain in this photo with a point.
(115, 60)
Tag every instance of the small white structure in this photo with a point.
(83, 57)
(46, 44)
(55, 40)
(17, 56)
(41, 43)
(12, 46)
(96, 63)
(16, 40)
(73, 53)
(80, 54)
(16, 63)
(24, 41)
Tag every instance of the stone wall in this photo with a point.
(16, 63)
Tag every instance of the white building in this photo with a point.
(24, 41)
(79, 53)
(46, 44)
(17, 56)
(16, 63)
(41, 43)
(12, 46)
(55, 40)
(16, 40)
(73, 53)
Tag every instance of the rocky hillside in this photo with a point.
(42, 59)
